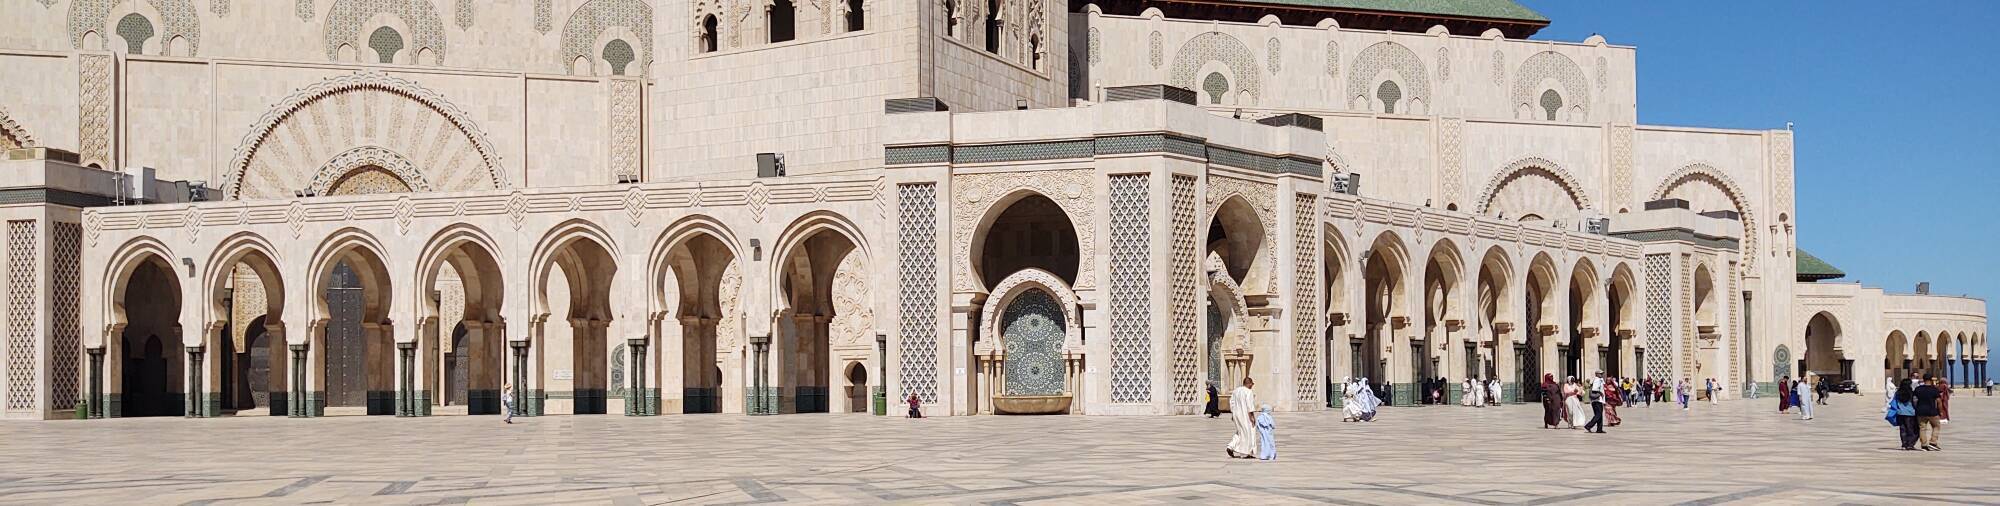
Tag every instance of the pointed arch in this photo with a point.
(347, 19)
(1574, 89)
(1211, 51)
(582, 31)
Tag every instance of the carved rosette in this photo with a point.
(973, 198)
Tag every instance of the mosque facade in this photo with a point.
(321, 207)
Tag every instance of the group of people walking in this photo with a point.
(1919, 408)
(1803, 394)
(1358, 402)
(1563, 404)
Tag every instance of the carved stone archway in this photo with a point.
(397, 115)
(1533, 167)
(974, 199)
(342, 172)
(1705, 174)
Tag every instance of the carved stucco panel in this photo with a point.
(973, 197)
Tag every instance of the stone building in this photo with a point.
(313, 207)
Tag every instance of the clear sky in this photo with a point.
(1896, 109)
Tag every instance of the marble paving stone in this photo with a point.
(1733, 453)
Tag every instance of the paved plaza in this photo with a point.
(1735, 452)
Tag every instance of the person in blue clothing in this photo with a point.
(1267, 444)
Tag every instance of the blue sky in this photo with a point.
(1896, 107)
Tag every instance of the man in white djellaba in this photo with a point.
(1242, 409)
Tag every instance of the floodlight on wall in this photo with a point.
(189, 262)
(756, 251)
(1020, 104)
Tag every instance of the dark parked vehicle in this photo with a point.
(1845, 387)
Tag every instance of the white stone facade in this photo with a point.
(422, 201)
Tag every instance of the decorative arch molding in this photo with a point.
(346, 20)
(1551, 65)
(1222, 48)
(124, 260)
(1221, 285)
(237, 249)
(177, 18)
(467, 160)
(853, 303)
(374, 271)
(1013, 286)
(1533, 167)
(1262, 198)
(346, 163)
(12, 134)
(589, 22)
(977, 199)
(1705, 174)
(1411, 76)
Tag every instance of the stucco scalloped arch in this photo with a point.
(658, 260)
(125, 259)
(236, 249)
(1262, 202)
(543, 261)
(585, 26)
(1376, 57)
(1551, 65)
(13, 133)
(363, 156)
(1513, 170)
(1708, 174)
(1217, 47)
(1021, 281)
(347, 18)
(283, 110)
(435, 254)
(978, 200)
(376, 300)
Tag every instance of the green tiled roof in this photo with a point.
(1811, 268)
(1483, 9)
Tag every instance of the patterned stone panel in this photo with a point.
(94, 110)
(1305, 291)
(853, 324)
(1373, 60)
(462, 14)
(347, 18)
(1621, 167)
(1220, 47)
(23, 291)
(625, 125)
(1131, 289)
(1184, 271)
(1688, 340)
(1552, 65)
(1156, 47)
(1733, 379)
(580, 33)
(305, 9)
(1660, 329)
(65, 335)
(917, 296)
(1451, 159)
(1781, 170)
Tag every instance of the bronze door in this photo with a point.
(346, 347)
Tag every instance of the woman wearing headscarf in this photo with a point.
(1350, 399)
(1904, 406)
(1214, 408)
(1613, 397)
(1804, 391)
(1469, 396)
(1551, 401)
(1267, 441)
(1366, 401)
(1785, 394)
(1681, 391)
(1573, 404)
(1493, 391)
(1242, 407)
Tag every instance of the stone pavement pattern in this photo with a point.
(1734, 452)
